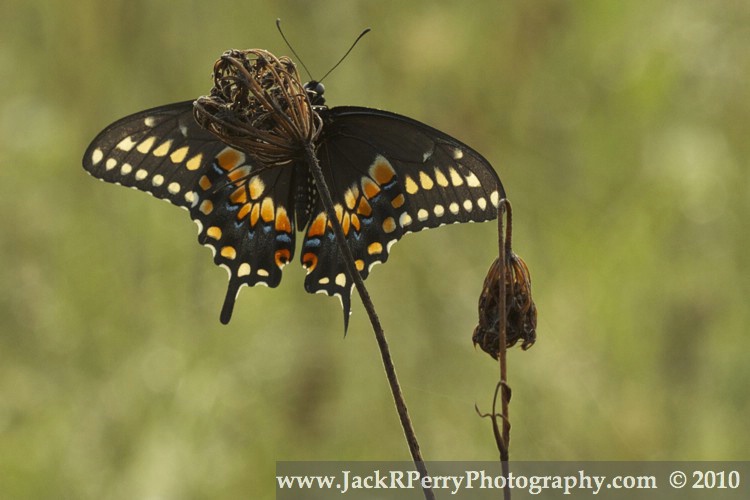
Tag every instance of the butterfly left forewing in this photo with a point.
(389, 175)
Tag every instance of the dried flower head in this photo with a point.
(259, 105)
(519, 308)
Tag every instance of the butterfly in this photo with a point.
(231, 159)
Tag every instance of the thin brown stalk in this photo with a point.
(351, 269)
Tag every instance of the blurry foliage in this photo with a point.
(619, 129)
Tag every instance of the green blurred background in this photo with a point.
(620, 130)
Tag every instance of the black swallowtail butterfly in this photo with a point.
(232, 160)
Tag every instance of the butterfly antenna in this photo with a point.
(364, 32)
(278, 25)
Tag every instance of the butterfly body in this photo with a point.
(251, 191)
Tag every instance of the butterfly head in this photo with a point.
(315, 91)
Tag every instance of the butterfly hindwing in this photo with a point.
(241, 210)
(389, 175)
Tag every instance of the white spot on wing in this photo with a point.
(468, 205)
(126, 169)
(482, 203)
(422, 214)
(340, 279)
(405, 219)
(243, 270)
(141, 174)
(96, 156)
(495, 198)
(158, 180)
(173, 188)
(439, 210)
(149, 121)
(453, 207)
(110, 163)
(457, 154)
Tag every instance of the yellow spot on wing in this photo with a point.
(411, 186)
(456, 179)
(178, 155)
(350, 199)
(214, 232)
(194, 163)
(425, 180)
(163, 148)
(228, 253)
(360, 264)
(256, 187)
(472, 180)
(374, 248)
(145, 146)
(126, 144)
(440, 178)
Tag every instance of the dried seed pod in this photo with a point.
(520, 310)
(259, 106)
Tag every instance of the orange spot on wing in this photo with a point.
(207, 207)
(243, 211)
(345, 224)
(214, 232)
(204, 183)
(267, 210)
(228, 253)
(317, 226)
(398, 201)
(360, 264)
(389, 225)
(254, 214)
(382, 171)
(355, 222)
(283, 223)
(282, 257)
(374, 248)
(229, 158)
(309, 261)
(369, 187)
(364, 208)
(239, 196)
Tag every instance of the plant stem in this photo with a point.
(502, 356)
(351, 271)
